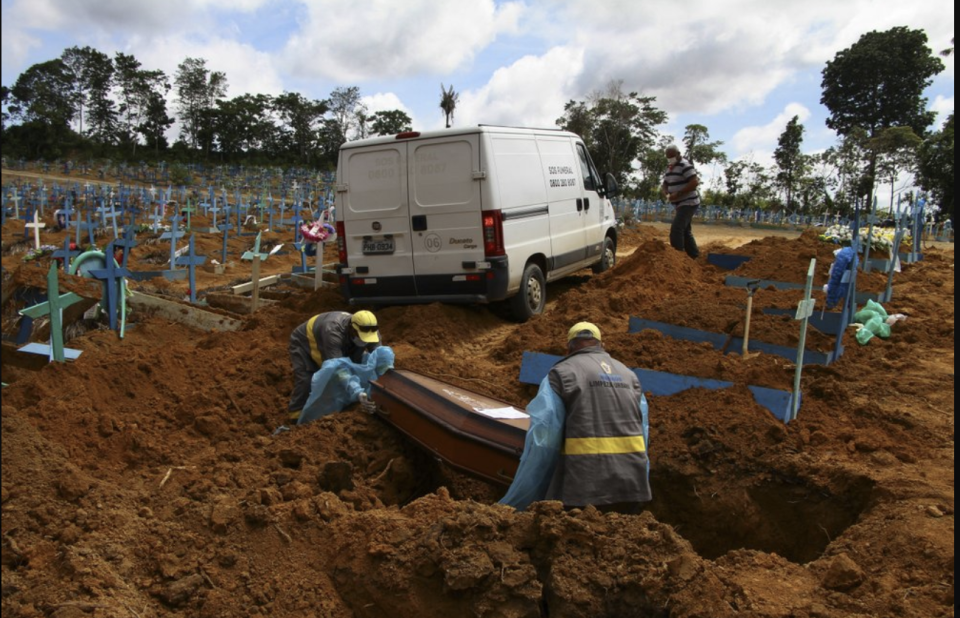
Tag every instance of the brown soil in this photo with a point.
(143, 479)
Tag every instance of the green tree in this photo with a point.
(789, 158)
(878, 83)
(821, 181)
(5, 93)
(448, 103)
(760, 187)
(139, 92)
(896, 149)
(650, 166)
(42, 100)
(155, 123)
(362, 120)
(391, 122)
(92, 80)
(615, 127)
(733, 175)
(936, 168)
(198, 89)
(299, 120)
(698, 148)
(578, 118)
(344, 104)
(243, 124)
(849, 161)
(946, 53)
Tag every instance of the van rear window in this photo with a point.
(375, 180)
(442, 173)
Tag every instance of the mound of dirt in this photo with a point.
(146, 477)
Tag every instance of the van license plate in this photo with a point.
(375, 247)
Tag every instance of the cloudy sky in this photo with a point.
(742, 68)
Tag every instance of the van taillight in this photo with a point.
(407, 135)
(342, 243)
(492, 233)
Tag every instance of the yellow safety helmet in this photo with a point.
(364, 324)
(583, 329)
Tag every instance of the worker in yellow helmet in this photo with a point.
(335, 334)
(587, 442)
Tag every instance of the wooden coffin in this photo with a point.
(447, 421)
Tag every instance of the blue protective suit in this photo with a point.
(837, 286)
(339, 382)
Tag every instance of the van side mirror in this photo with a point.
(611, 187)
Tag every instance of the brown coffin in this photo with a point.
(442, 419)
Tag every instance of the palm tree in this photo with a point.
(448, 102)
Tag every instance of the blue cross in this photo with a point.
(225, 227)
(66, 254)
(89, 227)
(191, 260)
(126, 243)
(110, 274)
(112, 215)
(173, 235)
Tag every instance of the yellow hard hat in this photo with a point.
(583, 329)
(364, 323)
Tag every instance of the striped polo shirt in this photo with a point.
(677, 175)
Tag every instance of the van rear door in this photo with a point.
(445, 203)
(413, 224)
(372, 187)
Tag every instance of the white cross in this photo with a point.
(36, 225)
(16, 205)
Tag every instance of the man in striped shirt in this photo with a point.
(680, 188)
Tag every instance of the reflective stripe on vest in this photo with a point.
(604, 446)
(312, 338)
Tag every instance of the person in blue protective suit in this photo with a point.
(341, 382)
(836, 288)
(587, 442)
(336, 334)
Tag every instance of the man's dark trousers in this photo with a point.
(681, 233)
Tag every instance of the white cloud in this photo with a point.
(247, 69)
(944, 107)
(711, 56)
(128, 17)
(530, 92)
(16, 48)
(350, 42)
(385, 102)
(763, 139)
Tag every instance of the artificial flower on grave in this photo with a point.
(42, 251)
(881, 239)
(317, 231)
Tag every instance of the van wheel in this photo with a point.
(532, 297)
(608, 258)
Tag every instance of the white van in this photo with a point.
(469, 215)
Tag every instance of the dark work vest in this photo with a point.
(604, 456)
